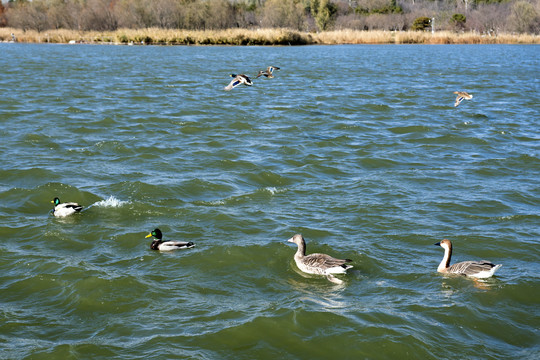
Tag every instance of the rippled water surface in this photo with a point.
(359, 148)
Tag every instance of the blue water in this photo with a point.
(359, 148)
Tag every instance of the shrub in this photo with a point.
(458, 21)
(422, 23)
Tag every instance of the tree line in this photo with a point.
(484, 16)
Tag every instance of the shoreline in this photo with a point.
(261, 37)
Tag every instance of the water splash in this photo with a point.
(273, 191)
(111, 201)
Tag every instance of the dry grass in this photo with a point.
(261, 37)
(354, 37)
(447, 37)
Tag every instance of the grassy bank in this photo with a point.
(156, 36)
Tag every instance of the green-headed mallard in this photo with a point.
(159, 244)
(65, 209)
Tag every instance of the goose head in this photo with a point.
(298, 239)
(445, 244)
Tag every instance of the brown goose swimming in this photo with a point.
(477, 269)
(319, 264)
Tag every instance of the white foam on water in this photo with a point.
(272, 190)
(111, 201)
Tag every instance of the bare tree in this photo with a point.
(488, 18)
(283, 13)
(99, 15)
(220, 14)
(165, 13)
(351, 21)
(3, 19)
(30, 15)
(58, 14)
(524, 17)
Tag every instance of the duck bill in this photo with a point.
(147, 236)
(437, 244)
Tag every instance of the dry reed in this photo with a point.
(157, 36)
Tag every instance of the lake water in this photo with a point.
(359, 148)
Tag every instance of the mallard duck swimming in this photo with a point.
(65, 209)
(238, 79)
(269, 72)
(319, 264)
(477, 269)
(462, 95)
(159, 244)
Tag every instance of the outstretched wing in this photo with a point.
(247, 80)
(234, 83)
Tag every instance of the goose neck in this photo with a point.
(445, 262)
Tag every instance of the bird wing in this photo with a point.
(172, 245)
(470, 267)
(247, 80)
(323, 261)
(71, 205)
(234, 83)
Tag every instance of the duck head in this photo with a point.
(155, 233)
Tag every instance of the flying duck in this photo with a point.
(269, 72)
(65, 209)
(477, 269)
(461, 95)
(238, 79)
(319, 264)
(159, 244)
